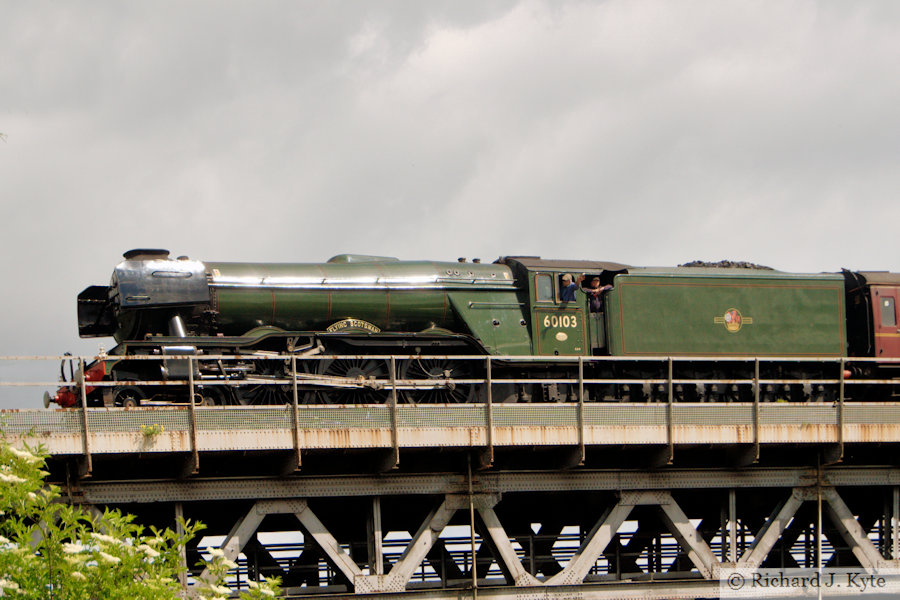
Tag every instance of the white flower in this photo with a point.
(11, 478)
(26, 456)
(217, 552)
(109, 558)
(221, 589)
(105, 538)
(9, 585)
(148, 550)
(229, 563)
(255, 586)
(72, 548)
(3, 540)
(77, 575)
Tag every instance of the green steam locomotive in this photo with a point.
(336, 321)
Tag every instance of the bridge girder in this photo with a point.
(555, 531)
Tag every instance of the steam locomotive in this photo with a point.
(354, 310)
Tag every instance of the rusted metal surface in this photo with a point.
(443, 426)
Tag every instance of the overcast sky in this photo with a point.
(644, 132)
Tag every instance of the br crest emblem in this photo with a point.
(733, 320)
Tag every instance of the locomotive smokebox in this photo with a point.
(148, 280)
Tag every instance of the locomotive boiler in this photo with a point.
(355, 309)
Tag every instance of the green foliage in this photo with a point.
(49, 549)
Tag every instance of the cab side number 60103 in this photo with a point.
(561, 321)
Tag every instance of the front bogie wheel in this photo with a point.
(128, 397)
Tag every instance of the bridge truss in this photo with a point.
(637, 533)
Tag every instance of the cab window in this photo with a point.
(888, 314)
(543, 285)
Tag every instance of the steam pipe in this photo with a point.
(177, 327)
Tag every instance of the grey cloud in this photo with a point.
(648, 132)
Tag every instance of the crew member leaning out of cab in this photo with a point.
(595, 294)
(568, 287)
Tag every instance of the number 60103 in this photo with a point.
(561, 321)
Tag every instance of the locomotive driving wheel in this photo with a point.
(264, 389)
(440, 372)
(361, 389)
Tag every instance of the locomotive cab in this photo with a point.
(559, 326)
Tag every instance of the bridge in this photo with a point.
(585, 497)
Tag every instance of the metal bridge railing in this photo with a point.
(490, 381)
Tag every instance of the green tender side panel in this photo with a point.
(771, 314)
